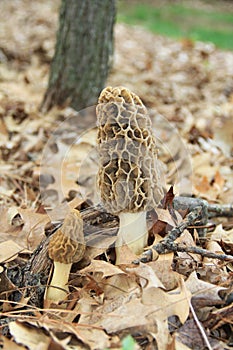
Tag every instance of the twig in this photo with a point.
(190, 219)
(203, 252)
(208, 210)
(201, 329)
(168, 243)
(215, 210)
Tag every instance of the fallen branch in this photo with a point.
(208, 210)
(168, 244)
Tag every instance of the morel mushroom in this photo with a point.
(128, 177)
(66, 246)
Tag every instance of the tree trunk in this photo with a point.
(83, 53)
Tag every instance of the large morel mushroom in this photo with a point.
(128, 177)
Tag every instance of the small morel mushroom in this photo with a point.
(128, 177)
(66, 246)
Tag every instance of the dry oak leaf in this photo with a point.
(147, 276)
(209, 188)
(219, 234)
(9, 344)
(24, 226)
(94, 338)
(187, 239)
(32, 338)
(213, 270)
(165, 216)
(189, 335)
(11, 229)
(33, 230)
(175, 302)
(220, 317)
(162, 267)
(9, 250)
(147, 314)
(106, 268)
(125, 255)
(7, 228)
(202, 289)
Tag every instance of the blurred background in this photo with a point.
(204, 20)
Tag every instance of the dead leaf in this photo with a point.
(125, 255)
(147, 275)
(10, 345)
(189, 335)
(33, 338)
(8, 250)
(187, 239)
(172, 303)
(219, 234)
(162, 267)
(201, 289)
(203, 186)
(93, 336)
(223, 137)
(102, 266)
(34, 227)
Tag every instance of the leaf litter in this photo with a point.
(188, 88)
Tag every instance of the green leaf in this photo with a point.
(128, 343)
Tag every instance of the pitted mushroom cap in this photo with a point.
(128, 177)
(67, 244)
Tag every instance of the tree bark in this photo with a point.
(83, 53)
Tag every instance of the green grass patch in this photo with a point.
(180, 21)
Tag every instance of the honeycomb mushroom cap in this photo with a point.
(67, 244)
(128, 177)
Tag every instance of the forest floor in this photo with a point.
(48, 165)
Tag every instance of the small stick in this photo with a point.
(167, 244)
(215, 210)
(196, 250)
(208, 210)
(200, 327)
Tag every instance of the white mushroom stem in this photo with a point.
(133, 232)
(60, 279)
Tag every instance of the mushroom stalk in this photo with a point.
(58, 288)
(132, 232)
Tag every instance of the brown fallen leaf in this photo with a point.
(219, 234)
(223, 137)
(147, 276)
(172, 303)
(162, 267)
(189, 335)
(102, 266)
(202, 289)
(220, 317)
(92, 336)
(28, 336)
(212, 270)
(9, 250)
(126, 256)
(33, 230)
(180, 346)
(187, 239)
(203, 186)
(6, 222)
(127, 311)
(10, 345)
